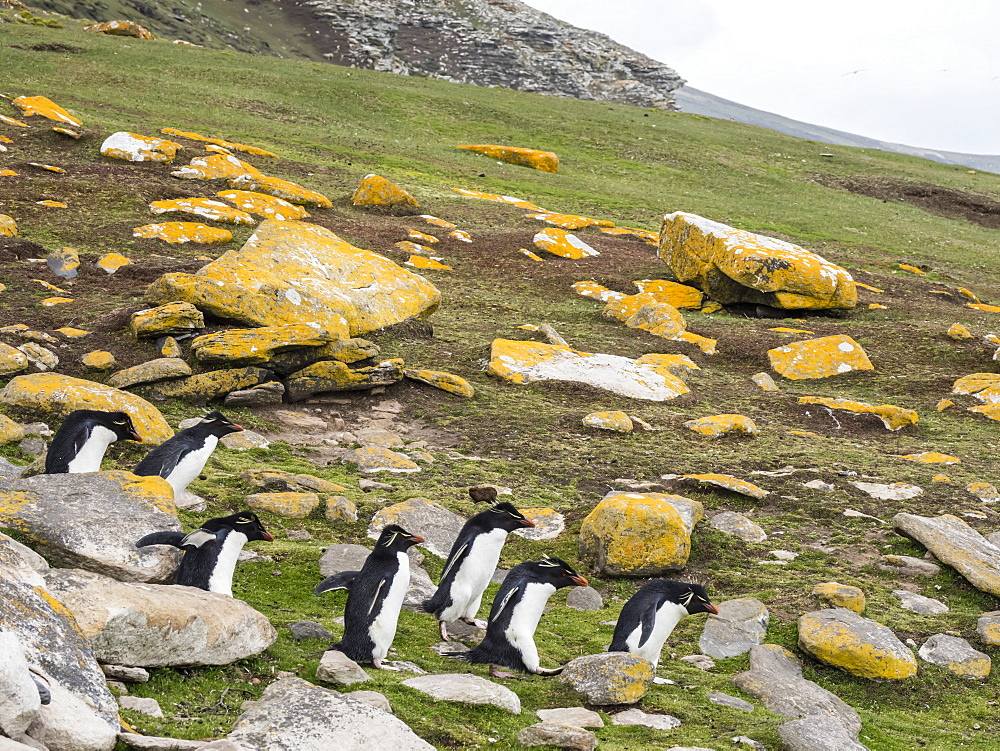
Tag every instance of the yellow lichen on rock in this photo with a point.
(460, 235)
(10, 431)
(891, 416)
(218, 142)
(215, 166)
(561, 243)
(846, 642)
(732, 265)
(60, 394)
(71, 333)
(8, 227)
(7, 173)
(819, 358)
(99, 359)
(617, 421)
(438, 222)
(676, 364)
(13, 121)
(121, 29)
(49, 168)
(786, 330)
(289, 505)
(284, 189)
(45, 107)
(650, 238)
(133, 147)
(959, 333)
(203, 208)
(12, 360)
(841, 596)
(53, 204)
(546, 161)
(263, 205)
(111, 262)
(984, 308)
(990, 411)
(570, 221)
(596, 291)
(449, 382)
(172, 318)
(531, 255)
(257, 346)
(932, 457)
(765, 381)
(722, 425)
(728, 482)
(911, 269)
(940, 478)
(423, 262)
(375, 190)
(983, 386)
(679, 295)
(183, 232)
(422, 237)
(518, 202)
(984, 491)
(48, 302)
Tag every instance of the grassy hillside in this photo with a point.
(331, 126)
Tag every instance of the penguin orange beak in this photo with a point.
(711, 608)
(527, 523)
(237, 428)
(268, 537)
(417, 539)
(580, 581)
(134, 436)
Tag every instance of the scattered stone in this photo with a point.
(731, 523)
(449, 382)
(984, 491)
(955, 655)
(215, 384)
(765, 381)
(722, 425)
(64, 263)
(578, 717)
(172, 318)
(133, 147)
(126, 673)
(818, 733)
(733, 702)
(45, 107)
(39, 357)
(286, 505)
(372, 459)
(819, 358)
(841, 596)
(956, 544)
(584, 598)
(546, 161)
(988, 628)
(8, 227)
(726, 482)
(340, 509)
(283, 189)
(862, 647)
(109, 263)
(12, 360)
(333, 375)
(437, 525)
(32, 446)
(919, 604)
(932, 457)
(909, 566)
(228, 145)
(10, 431)
(263, 205)
(740, 625)
(149, 707)
(368, 486)
(204, 208)
(609, 678)
(818, 484)
(120, 29)
(258, 396)
(213, 167)
(467, 689)
(374, 190)
(702, 662)
(638, 717)
(561, 243)
(160, 369)
(897, 491)
(309, 630)
(257, 346)
(244, 441)
(549, 524)
(336, 667)
(183, 232)
(560, 736)
(616, 421)
(378, 437)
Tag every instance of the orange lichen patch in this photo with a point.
(718, 425)
(992, 338)
(214, 167)
(891, 416)
(546, 161)
(519, 202)
(728, 482)
(868, 287)
(53, 204)
(45, 107)
(263, 205)
(959, 332)
(422, 262)
(375, 190)
(911, 269)
(675, 364)
(213, 149)
(460, 235)
(732, 265)
(48, 167)
(7, 173)
(285, 189)
(561, 243)
(624, 307)
(765, 382)
(940, 478)
(983, 386)
(529, 254)
(596, 291)
(184, 43)
(986, 308)
(121, 29)
(438, 222)
(940, 292)
(71, 333)
(932, 457)
(819, 358)
(876, 306)
(967, 294)
(449, 382)
(943, 404)
(570, 221)
(111, 262)
(67, 132)
(784, 330)
(984, 491)
(183, 232)
(204, 208)
(650, 238)
(411, 247)
(218, 142)
(48, 302)
(616, 420)
(50, 287)
(4, 139)
(672, 293)
(422, 237)
(133, 147)
(992, 411)
(13, 121)
(8, 227)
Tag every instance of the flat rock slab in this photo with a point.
(437, 525)
(740, 625)
(638, 717)
(549, 524)
(897, 491)
(465, 688)
(611, 678)
(918, 603)
(861, 646)
(733, 702)
(560, 736)
(732, 523)
(373, 459)
(818, 733)
(907, 565)
(57, 512)
(576, 716)
(955, 543)
(156, 743)
(294, 715)
(956, 655)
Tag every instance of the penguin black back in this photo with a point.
(84, 436)
(180, 459)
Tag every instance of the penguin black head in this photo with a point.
(245, 522)
(118, 423)
(503, 515)
(558, 573)
(218, 424)
(396, 539)
(692, 597)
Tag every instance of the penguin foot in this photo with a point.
(382, 666)
(498, 673)
(444, 631)
(548, 672)
(476, 622)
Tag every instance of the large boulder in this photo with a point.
(62, 515)
(740, 625)
(19, 699)
(861, 646)
(293, 272)
(732, 265)
(152, 625)
(294, 715)
(954, 542)
(57, 394)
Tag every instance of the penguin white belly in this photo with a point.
(666, 619)
(524, 620)
(474, 575)
(91, 453)
(191, 465)
(221, 578)
(383, 628)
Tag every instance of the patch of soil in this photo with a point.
(52, 47)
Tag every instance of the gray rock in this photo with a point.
(610, 678)
(421, 588)
(957, 544)
(340, 508)
(740, 625)
(19, 698)
(332, 375)
(584, 598)
(188, 501)
(906, 565)
(702, 662)
(731, 523)
(465, 633)
(149, 707)
(560, 736)
(918, 603)
(299, 535)
(775, 677)
(744, 740)
(258, 396)
(861, 646)
(548, 526)
(372, 459)
(368, 486)
(294, 715)
(32, 445)
(636, 716)
(579, 717)
(57, 512)
(156, 743)
(499, 575)
(448, 648)
(993, 538)
(309, 630)
(733, 702)
(244, 441)
(818, 733)
(126, 673)
(8, 470)
(336, 667)
(437, 525)
(467, 689)
(342, 557)
(372, 699)
(988, 628)
(378, 437)
(956, 655)
(10, 546)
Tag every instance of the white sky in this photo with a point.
(928, 72)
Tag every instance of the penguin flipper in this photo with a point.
(342, 580)
(161, 538)
(197, 538)
(648, 619)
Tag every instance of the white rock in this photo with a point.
(918, 603)
(19, 700)
(638, 717)
(466, 688)
(140, 704)
(898, 491)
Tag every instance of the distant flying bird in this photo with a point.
(852, 72)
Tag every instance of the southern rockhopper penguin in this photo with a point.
(211, 552)
(82, 439)
(471, 563)
(510, 633)
(180, 459)
(651, 614)
(375, 596)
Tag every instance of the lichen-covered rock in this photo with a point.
(526, 362)
(549, 524)
(932, 457)
(287, 505)
(437, 525)
(841, 596)
(819, 358)
(59, 394)
(121, 29)
(740, 625)
(678, 295)
(861, 646)
(639, 534)
(617, 421)
(988, 628)
(449, 382)
(984, 491)
(561, 243)
(40, 358)
(293, 272)
(10, 431)
(133, 147)
(732, 265)
(172, 318)
(257, 346)
(203, 208)
(891, 416)
(12, 360)
(284, 189)
(726, 482)
(959, 333)
(183, 232)
(570, 221)
(956, 655)
(610, 678)
(99, 359)
(333, 375)
(8, 227)
(222, 143)
(372, 459)
(45, 107)
(215, 384)
(111, 262)
(340, 508)
(546, 161)
(215, 166)
(722, 425)
(955, 543)
(159, 369)
(263, 205)
(375, 190)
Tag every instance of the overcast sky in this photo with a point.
(915, 72)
